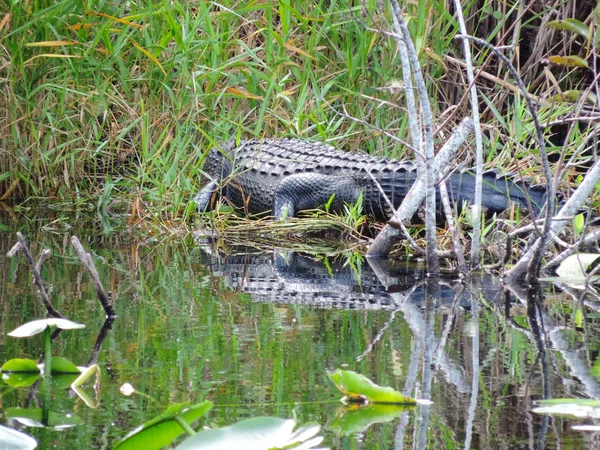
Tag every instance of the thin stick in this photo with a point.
(86, 259)
(476, 239)
(433, 264)
(382, 244)
(37, 278)
(535, 259)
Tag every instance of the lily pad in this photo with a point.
(63, 365)
(19, 365)
(163, 429)
(259, 433)
(37, 326)
(359, 388)
(15, 440)
(86, 373)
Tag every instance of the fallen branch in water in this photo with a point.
(86, 259)
(21, 245)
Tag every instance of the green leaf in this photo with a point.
(17, 380)
(353, 420)
(164, 429)
(572, 25)
(256, 433)
(63, 365)
(595, 370)
(33, 418)
(37, 326)
(359, 388)
(568, 61)
(573, 96)
(578, 223)
(20, 366)
(15, 440)
(85, 374)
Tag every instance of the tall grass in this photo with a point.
(111, 105)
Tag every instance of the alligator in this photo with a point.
(283, 176)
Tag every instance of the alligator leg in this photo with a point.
(202, 198)
(311, 190)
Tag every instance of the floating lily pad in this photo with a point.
(37, 326)
(259, 433)
(19, 365)
(15, 440)
(163, 429)
(359, 388)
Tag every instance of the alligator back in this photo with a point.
(282, 176)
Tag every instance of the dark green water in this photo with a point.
(183, 333)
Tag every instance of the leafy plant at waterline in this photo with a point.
(359, 389)
(365, 403)
(51, 365)
(24, 372)
(268, 433)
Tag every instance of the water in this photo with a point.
(255, 334)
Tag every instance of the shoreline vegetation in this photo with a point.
(110, 108)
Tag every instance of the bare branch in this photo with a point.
(382, 244)
(86, 259)
(535, 259)
(37, 278)
(475, 241)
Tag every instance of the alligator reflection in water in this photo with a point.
(299, 279)
(310, 282)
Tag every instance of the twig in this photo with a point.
(569, 209)
(86, 259)
(589, 239)
(400, 27)
(476, 239)
(368, 125)
(37, 278)
(535, 259)
(382, 244)
(456, 244)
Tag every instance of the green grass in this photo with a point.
(110, 106)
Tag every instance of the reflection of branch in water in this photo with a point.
(578, 368)
(397, 298)
(475, 375)
(106, 327)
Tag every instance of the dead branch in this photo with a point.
(35, 269)
(86, 259)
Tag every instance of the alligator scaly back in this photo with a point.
(283, 176)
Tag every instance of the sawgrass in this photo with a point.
(110, 106)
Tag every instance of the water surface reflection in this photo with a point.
(256, 333)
